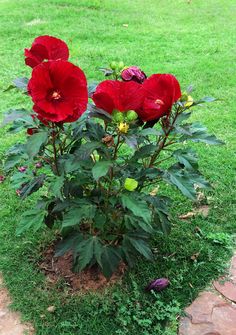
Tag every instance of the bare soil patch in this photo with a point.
(91, 279)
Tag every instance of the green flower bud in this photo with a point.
(117, 116)
(184, 97)
(121, 65)
(130, 184)
(113, 65)
(131, 116)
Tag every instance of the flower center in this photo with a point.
(56, 95)
(159, 102)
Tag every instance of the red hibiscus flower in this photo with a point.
(119, 95)
(160, 92)
(46, 48)
(133, 73)
(59, 91)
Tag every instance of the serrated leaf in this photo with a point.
(12, 161)
(144, 151)
(33, 218)
(14, 114)
(86, 251)
(185, 180)
(75, 215)
(137, 207)
(56, 185)
(98, 113)
(85, 150)
(32, 186)
(68, 243)
(141, 246)
(110, 259)
(186, 157)
(35, 142)
(95, 131)
(100, 169)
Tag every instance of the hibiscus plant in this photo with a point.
(97, 154)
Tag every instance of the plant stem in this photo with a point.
(54, 135)
(163, 142)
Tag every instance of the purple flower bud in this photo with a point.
(38, 165)
(2, 178)
(133, 73)
(22, 168)
(158, 284)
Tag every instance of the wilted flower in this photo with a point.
(133, 73)
(22, 168)
(2, 178)
(158, 284)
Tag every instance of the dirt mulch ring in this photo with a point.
(57, 268)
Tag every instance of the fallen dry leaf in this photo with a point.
(51, 309)
(188, 215)
(194, 257)
(125, 25)
(201, 210)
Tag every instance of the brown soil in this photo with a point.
(57, 268)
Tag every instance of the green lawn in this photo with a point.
(196, 42)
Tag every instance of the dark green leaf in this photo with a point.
(144, 151)
(68, 243)
(99, 113)
(32, 186)
(187, 157)
(100, 169)
(35, 142)
(85, 151)
(110, 259)
(141, 246)
(136, 206)
(75, 215)
(33, 218)
(85, 250)
(56, 185)
(12, 161)
(14, 114)
(95, 131)
(185, 180)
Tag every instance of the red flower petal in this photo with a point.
(59, 91)
(160, 92)
(46, 48)
(114, 94)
